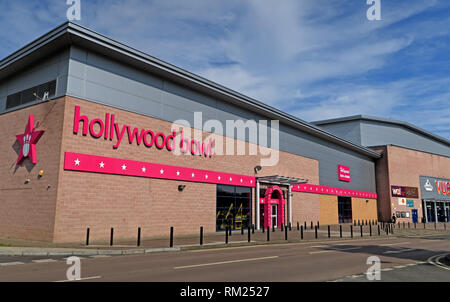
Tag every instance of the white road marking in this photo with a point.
(100, 256)
(399, 251)
(11, 263)
(387, 269)
(226, 262)
(337, 250)
(44, 260)
(391, 244)
(435, 260)
(81, 279)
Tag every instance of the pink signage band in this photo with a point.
(306, 188)
(109, 165)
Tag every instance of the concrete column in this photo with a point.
(290, 204)
(257, 209)
(425, 210)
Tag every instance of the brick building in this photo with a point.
(90, 134)
(413, 175)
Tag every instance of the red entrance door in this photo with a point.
(273, 205)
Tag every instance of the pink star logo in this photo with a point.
(28, 141)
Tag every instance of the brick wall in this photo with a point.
(27, 211)
(103, 201)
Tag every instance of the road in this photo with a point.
(402, 259)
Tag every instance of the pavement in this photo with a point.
(403, 258)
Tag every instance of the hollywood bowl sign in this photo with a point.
(109, 129)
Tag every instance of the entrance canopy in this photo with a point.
(281, 180)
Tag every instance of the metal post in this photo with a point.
(139, 237)
(318, 224)
(329, 231)
(340, 230)
(301, 232)
(351, 231)
(315, 231)
(268, 233)
(370, 230)
(312, 225)
(171, 237)
(87, 236)
(111, 239)
(285, 234)
(379, 233)
(298, 226)
(226, 235)
(201, 235)
(249, 238)
(361, 230)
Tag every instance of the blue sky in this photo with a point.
(315, 59)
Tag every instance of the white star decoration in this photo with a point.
(178, 173)
(102, 165)
(193, 174)
(206, 176)
(124, 167)
(161, 171)
(144, 169)
(218, 178)
(77, 162)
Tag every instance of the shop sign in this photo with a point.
(28, 141)
(344, 173)
(402, 201)
(435, 188)
(409, 192)
(109, 129)
(410, 203)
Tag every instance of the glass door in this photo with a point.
(274, 215)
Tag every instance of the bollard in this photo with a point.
(285, 234)
(318, 224)
(111, 240)
(312, 226)
(139, 237)
(171, 237)
(249, 238)
(340, 230)
(301, 233)
(268, 233)
(361, 230)
(226, 235)
(315, 231)
(329, 232)
(282, 227)
(263, 229)
(358, 221)
(370, 230)
(201, 235)
(379, 232)
(87, 236)
(305, 226)
(298, 226)
(351, 231)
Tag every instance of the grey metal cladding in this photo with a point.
(376, 134)
(54, 67)
(350, 130)
(112, 83)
